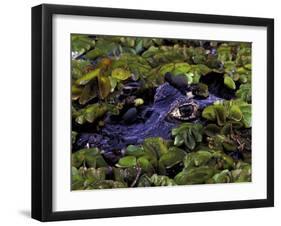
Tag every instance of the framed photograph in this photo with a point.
(146, 112)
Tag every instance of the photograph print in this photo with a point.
(150, 112)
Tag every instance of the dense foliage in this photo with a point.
(216, 148)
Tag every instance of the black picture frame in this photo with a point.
(42, 111)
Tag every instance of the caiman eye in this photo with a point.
(185, 111)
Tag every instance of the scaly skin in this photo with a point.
(158, 121)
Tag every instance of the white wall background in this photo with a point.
(15, 120)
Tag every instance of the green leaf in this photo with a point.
(243, 79)
(159, 180)
(150, 52)
(189, 140)
(134, 150)
(198, 55)
(229, 82)
(104, 86)
(189, 77)
(224, 53)
(222, 177)
(235, 113)
(229, 126)
(242, 173)
(144, 181)
(73, 136)
(127, 161)
(94, 53)
(198, 158)
(145, 165)
(155, 146)
(80, 119)
(197, 175)
(201, 90)
(94, 175)
(178, 140)
(230, 69)
(196, 132)
(245, 92)
(229, 145)
(211, 130)
(81, 43)
(77, 181)
(209, 113)
(248, 66)
(201, 157)
(90, 113)
(103, 47)
(226, 162)
(247, 115)
(120, 74)
(78, 158)
(166, 68)
(79, 68)
(181, 68)
(89, 92)
(203, 69)
(76, 92)
(220, 114)
(173, 157)
(88, 77)
(139, 46)
(187, 133)
(93, 158)
(113, 83)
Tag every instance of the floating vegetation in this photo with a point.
(159, 112)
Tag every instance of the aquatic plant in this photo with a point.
(123, 92)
